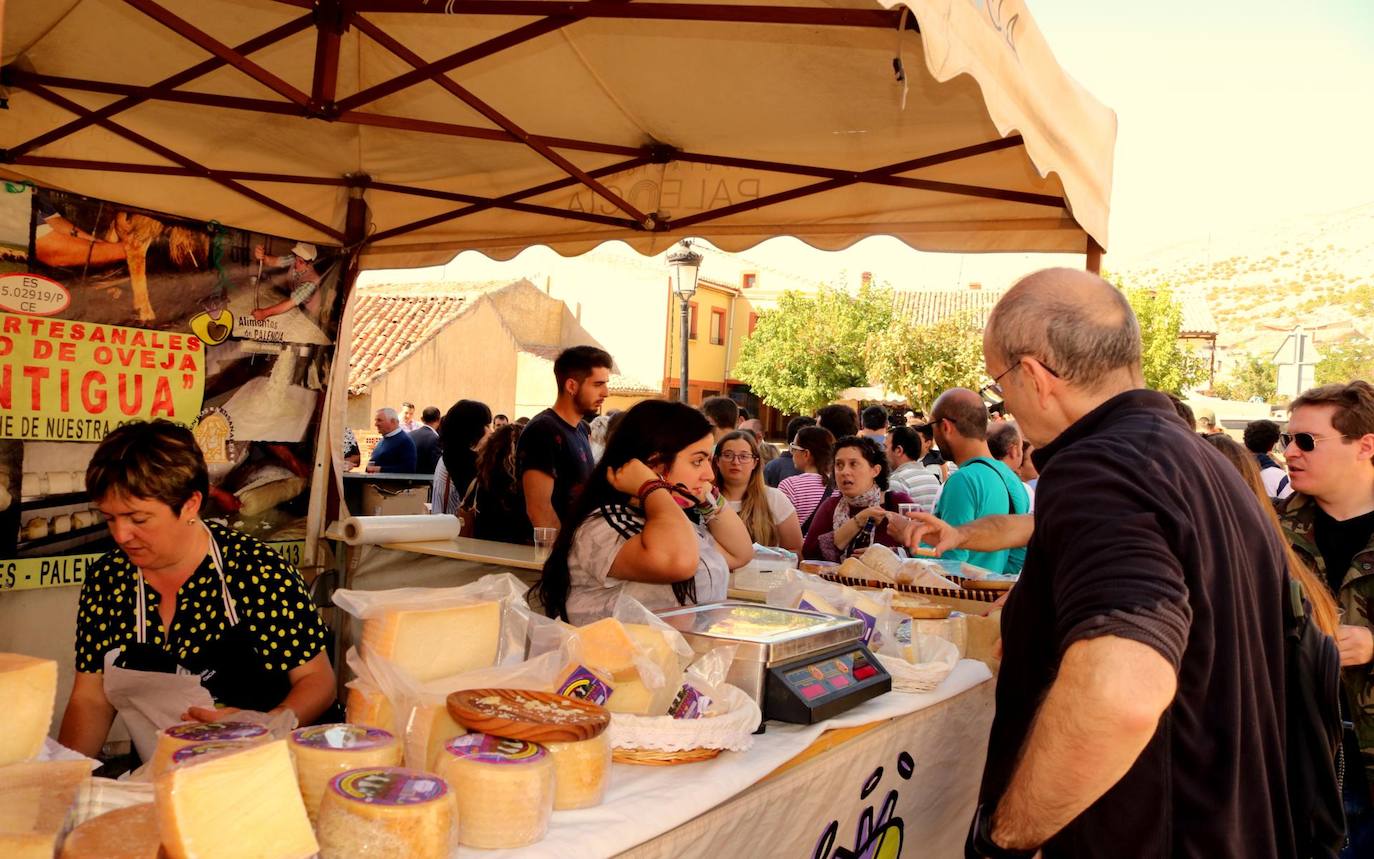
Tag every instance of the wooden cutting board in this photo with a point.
(524, 714)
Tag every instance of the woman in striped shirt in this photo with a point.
(812, 452)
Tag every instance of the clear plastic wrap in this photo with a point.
(388, 812)
(813, 593)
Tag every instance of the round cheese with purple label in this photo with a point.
(322, 752)
(505, 789)
(388, 811)
(177, 737)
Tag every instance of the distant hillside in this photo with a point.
(1318, 272)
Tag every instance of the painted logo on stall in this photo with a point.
(879, 832)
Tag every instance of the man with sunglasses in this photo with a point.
(1329, 521)
(1140, 702)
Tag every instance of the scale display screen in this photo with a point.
(820, 686)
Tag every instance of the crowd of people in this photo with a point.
(1193, 614)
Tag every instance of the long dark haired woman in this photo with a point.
(500, 506)
(812, 455)
(649, 522)
(462, 429)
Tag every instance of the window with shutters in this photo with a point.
(717, 326)
(692, 321)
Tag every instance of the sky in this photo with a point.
(1232, 116)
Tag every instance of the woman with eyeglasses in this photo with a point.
(864, 512)
(768, 515)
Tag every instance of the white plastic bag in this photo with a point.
(703, 684)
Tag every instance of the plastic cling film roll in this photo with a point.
(386, 812)
(581, 772)
(368, 530)
(322, 752)
(505, 789)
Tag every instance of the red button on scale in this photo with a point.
(864, 672)
(813, 691)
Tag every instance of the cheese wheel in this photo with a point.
(83, 519)
(387, 813)
(323, 751)
(581, 772)
(242, 804)
(505, 789)
(36, 800)
(62, 524)
(128, 833)
(429, 730)
(370, 708)
(177, 737)
(436, 643)
(28, 686)
(36, 528)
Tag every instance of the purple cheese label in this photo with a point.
(388, 786)
(210, 732)
(806, 606)
(495, 750)
(583, 685)
(340, 737)
(200, 749)
(689, 703)
(870, 622)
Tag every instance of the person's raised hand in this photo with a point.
(629, 477)
(208, 714)
(258, 253)
(932, 531)
(1356, 644)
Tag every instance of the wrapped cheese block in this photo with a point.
(429, 730)
(853, 568)
(437, 643)
(28, 686)
(812, 601)
(127, 833)
(611, 646)
(581, 772)
(884, 561)
(387, 813)
(241, 804)
(505, 789)
(371, 709)
(36, 800)
(170, 740)
(323, 751)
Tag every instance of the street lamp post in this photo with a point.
(685, 263)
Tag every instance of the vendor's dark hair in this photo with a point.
(465, 424)
(654, 432)
(156, 460)
(908, 439)
(871, 452)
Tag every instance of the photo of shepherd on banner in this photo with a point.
(113, 314)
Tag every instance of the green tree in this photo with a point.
(922, 361)
(1345, 362)
(1169, 366)
(810, 348)
(1253, 377)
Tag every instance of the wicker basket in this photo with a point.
(657, 758)
(665, 741)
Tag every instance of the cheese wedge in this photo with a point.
(505, 790)
(430, 729)
(372, 709)
(388, 813)
(581, 772)
(28, 687)
(609, 646)
(128, 833)
(238, 805)
(436, 643)
(812, 601)
(36, 799)
(324, 751)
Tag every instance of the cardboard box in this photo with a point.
(388, 501)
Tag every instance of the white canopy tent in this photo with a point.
(498, 124)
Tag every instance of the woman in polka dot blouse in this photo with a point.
(181, 595)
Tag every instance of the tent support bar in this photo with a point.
(1094, 260)
(159, 89)
(247, 176)
(813, 16)
(509, 198)
(208, 43)
(400, 50)
(201, 170)
(330, 24)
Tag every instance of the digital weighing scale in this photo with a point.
(800, 666)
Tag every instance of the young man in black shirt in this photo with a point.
(553, 458)
(1140, 702)
(1329, 520)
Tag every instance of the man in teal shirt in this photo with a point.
(982, 486)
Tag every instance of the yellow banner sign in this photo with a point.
(75, 381)
(31, 573)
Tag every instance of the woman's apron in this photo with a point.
(151, 689)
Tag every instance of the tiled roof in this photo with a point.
(625, 386)
(387, 327)
(929, 306)
(1197, 314)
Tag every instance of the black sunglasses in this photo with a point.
(1305, 441)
